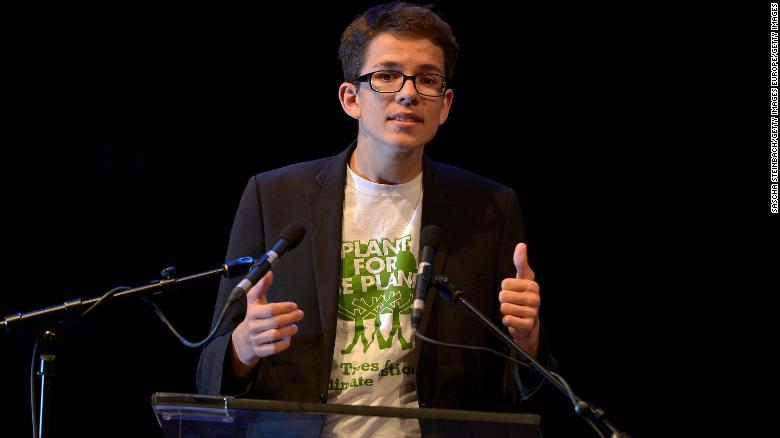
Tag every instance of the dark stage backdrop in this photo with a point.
(637, 139)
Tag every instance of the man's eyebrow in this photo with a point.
(429, 68)
(388, 65)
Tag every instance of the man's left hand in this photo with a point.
(520, 302)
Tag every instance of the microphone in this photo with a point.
(429, 241)
(290, 238)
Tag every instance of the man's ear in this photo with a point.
(350, 102)
(446, 104)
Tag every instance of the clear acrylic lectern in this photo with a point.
(191, 415)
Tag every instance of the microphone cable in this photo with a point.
(234, 296)
(424, 338)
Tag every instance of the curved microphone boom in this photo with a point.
(429, 241)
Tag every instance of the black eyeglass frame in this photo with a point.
(367, 78)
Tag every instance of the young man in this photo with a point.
(331, 324)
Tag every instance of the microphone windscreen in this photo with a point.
(293, 234)
(430, 236)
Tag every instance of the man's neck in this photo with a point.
(386, 168)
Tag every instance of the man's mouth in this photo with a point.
(406, 117)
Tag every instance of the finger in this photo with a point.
(520, 259)
(275, 334)
(519, 285)
(260, 311)
(528, 298)
(260, 325)
(522, 325)
(256, 294)
(273, 347)
(519, 311)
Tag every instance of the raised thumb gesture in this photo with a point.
(520, 301)
(520, 259)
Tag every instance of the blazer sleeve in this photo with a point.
(247, 238)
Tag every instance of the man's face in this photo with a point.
(404, 120)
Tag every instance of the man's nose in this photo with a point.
(407, 94)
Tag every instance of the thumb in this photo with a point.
(256, 294)
(520, 259)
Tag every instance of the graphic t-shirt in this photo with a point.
(372, 358)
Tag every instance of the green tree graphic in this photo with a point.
(357, 307)
(395, 302)
(386, 292)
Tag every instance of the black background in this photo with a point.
(636, 138)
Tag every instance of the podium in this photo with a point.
(191, 416)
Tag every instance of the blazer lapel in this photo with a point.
(325, 208)
(439, 207)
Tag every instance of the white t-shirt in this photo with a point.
(372, 358)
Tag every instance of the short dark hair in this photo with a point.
(397, 18)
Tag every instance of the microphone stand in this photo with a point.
(50, 320)
(590, 413)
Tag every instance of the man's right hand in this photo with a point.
(266, 329)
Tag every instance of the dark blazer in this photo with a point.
(481, 224)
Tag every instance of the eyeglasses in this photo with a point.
(389, 81)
